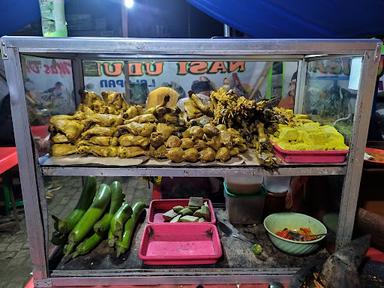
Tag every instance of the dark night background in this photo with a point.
(148, 18)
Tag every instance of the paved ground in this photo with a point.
(15, 264)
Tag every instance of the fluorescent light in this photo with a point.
(129, 4)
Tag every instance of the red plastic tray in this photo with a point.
(180, 244)
(292, 156)
(158, 207)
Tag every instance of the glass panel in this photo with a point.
(331, 92)
(251, 79)
(48, 88)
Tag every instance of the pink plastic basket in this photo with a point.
(158, 207)
(180, 244)
(288, 156)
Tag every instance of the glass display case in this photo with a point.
(330, 80)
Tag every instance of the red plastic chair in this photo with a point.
(8, 160)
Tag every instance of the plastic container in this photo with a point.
(276, 188)
(292, 156)
(53, 18)
(244, 209)
(244, 184)
(158, 207)
(276, 184)
(180, 244)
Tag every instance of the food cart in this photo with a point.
(132, 271)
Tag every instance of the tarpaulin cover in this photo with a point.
(256, 18)
(298, 18)
(15, 14)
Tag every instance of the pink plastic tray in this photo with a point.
(288, 156)
(158, 207)
(180, 244)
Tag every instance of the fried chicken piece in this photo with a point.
(105, 120)
(200, 145)
(145, 118)
(191, 109)
(98, 131)
(142, 129)
(99, 106)
(59, 138)
(186, 133)
(151, 110)
(170, 118)
(183, 119)
(221, 127)
(199, 104)
(234, 151)
(70, 128)
(127, 140)
(79, 115)
(210, 130)
(88, 97)
(242, 148)
(98, 151)
(196, 132)
(207, 155)
(158, 153)
(103, 140)
(223, 154)
(156, 139)
(129, 152)
(114, 99)
(173, 142)
(160, 111)
(63, 149)
(110, 103)
(86, 111)
(132, 111)
(99, 140)
(214, 143)
(233, 132)
(191, 155)
(186, 143)
(165, 130)
(226, 139)
(175, 154)
(114, 141)
(237, 139)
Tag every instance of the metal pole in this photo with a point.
(227, 31)
(31, 199)
(361, 120)
(78, 79)
(300, 86)
(124, 19)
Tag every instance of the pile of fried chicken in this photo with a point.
(106, 126)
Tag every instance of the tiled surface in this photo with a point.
(15, 264)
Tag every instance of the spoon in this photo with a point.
(320, 235)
